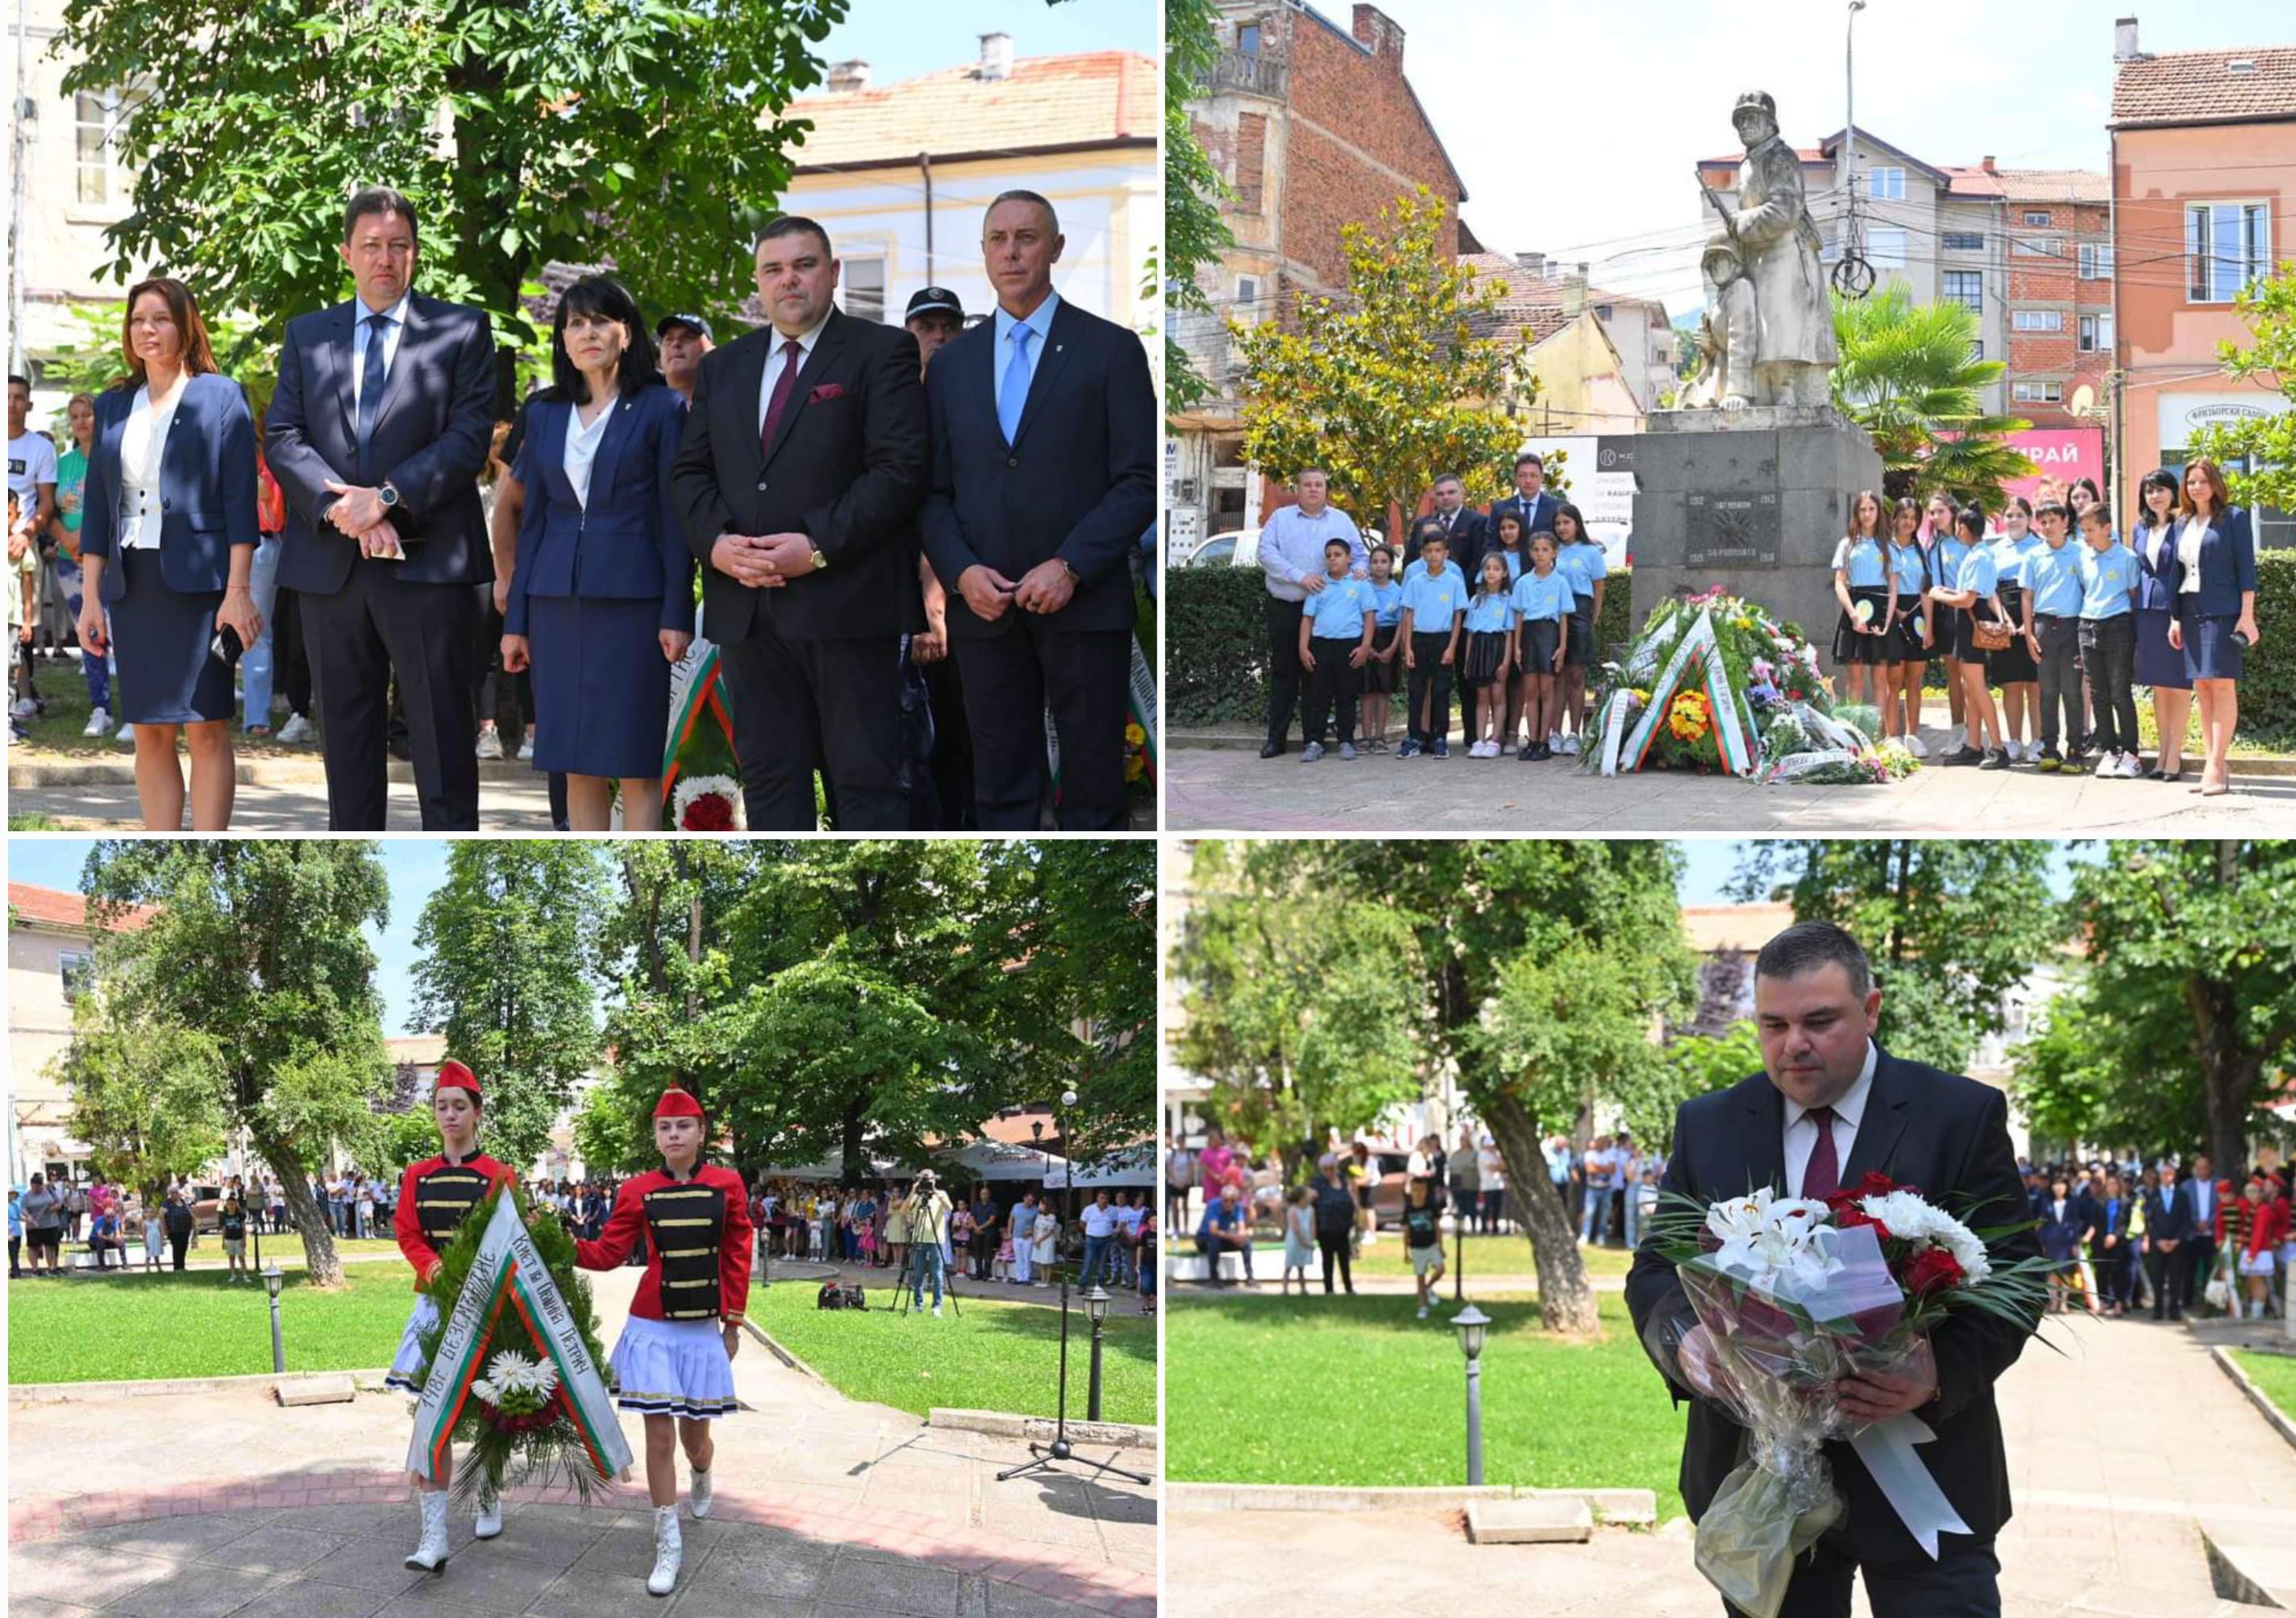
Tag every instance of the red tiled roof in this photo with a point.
(1532, 304)
(1103, 97)
(47, 907)
(2200, 87)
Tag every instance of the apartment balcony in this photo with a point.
(1251, 75)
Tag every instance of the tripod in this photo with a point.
(909, 1288)
(1047, 1457)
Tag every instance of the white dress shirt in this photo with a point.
(395, 328)
(142, 446)
(776, 362)
(582, 447)
(1291, 548)
(1801, 1132)
(2188, 552)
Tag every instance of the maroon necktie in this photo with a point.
(792, 357)
(1822, 1176)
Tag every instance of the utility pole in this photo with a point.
(21, 113)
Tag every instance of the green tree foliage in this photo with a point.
(1386, 386)
(2189, 947)
(1495, 925)
(648, 134)
(2087, 1077)
(1194, 234)
(1950, 925)
(2266, 443)
(509, 974)
(259, 949)
(1907, 377)
(1299, 1012)
(148, 1098)
(1696, 1065)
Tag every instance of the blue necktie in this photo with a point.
(369, 398)
(1016, 384)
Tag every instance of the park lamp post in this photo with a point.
(272, 1279)
(1471, 1323)
(1095, 1307)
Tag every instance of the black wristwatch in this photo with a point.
(389, 495)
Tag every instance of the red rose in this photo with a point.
(1851, 1218)
(1878, 1184)
(1935, 1271)
(708, 813)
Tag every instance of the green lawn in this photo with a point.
(1356, 1391)
(997, 1356)
(2274, 1374)
(195, 1324)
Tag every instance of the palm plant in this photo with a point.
(1909, 376)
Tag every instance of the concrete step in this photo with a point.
(1533, 1522)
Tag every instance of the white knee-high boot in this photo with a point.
(701, 1496)
(490, 1514)
(668, 1551)
(431, 1552)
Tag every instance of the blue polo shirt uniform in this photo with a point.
(1431, 601)
(1387, 602)
(2054, 577)
(1539, 595)
(1862, 560)
(1582, 564)
(1490, 615)
(2108, 581)
(1337, 610)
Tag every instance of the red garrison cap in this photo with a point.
(675, 1103)
(454, 1075)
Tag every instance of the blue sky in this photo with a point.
(412, 866)
(902, 39)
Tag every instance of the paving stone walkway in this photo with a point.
(2118, 1451)
(205, 1505)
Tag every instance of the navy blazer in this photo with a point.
(1542, 515)
(2154, 592)
(1949, 1135)
(628, 544)
(1078, 480)
(207, 486)
(429, 441)
(2168, 1217)
(2227, 563)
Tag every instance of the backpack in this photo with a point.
(835, 1296)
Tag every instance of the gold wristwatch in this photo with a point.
(819, 561)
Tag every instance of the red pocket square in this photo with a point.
(826, 390)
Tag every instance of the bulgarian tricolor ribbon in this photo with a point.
(509, 1273)
(1731, 747)
(694, 695)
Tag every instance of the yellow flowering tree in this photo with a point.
(1387, 385)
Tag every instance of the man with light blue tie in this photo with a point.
(1044, 427)
(2206, 1199)
(384, 416)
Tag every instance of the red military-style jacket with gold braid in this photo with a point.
(435, 1196)
(697, 1241)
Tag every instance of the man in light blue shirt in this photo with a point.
(1292, 556)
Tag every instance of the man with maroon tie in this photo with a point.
(1831, 1107)
(805, 459)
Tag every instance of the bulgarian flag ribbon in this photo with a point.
(1731, 745)
(509, 1273)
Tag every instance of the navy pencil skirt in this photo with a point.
(164, 642)
(601, 686)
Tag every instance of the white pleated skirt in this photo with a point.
(674, 1368)
(409, 1363)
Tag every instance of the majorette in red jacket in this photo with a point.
(698, 1239)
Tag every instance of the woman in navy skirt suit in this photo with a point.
(167, 538)
(2215, 586)
(2160, 664)
(601, 597)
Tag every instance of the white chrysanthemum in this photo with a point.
(1914, 1219)
(512, 1372)
(487, 1391)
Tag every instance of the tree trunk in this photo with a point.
(855, 1165)
(324, 1264)
(1566, 1300)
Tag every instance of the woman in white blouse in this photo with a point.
(601, 601)
(168, 539)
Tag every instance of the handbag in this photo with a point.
(1987, 635)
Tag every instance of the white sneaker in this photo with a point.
(2132, 767)
(295, 729)
(1423, 1311)
(125, 736)
(668, 1551)
(1554, 740)
(526, 750)
(489, 743)
(1959, 740)
(1570, 746)
(25, 707)
(99, 723)
(1916, 746)
(2107, 766)
(936, 1311)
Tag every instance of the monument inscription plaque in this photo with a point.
(1737, 529)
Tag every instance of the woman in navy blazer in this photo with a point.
(2214, 581)
(2160, 664)
(601, 600)
(167, 538)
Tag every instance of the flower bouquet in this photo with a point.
(1798, 1295)
(1715, 683)
(539, 1404)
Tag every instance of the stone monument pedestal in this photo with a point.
(1754, 500)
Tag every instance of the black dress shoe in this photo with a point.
(1271, 749)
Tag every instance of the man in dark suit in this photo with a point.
(382, 419)
(2168, 1224)
(2204, 1197)
(1831, 1107)
(1467, 533)
(1044, 474)
(1530, 501)
(805, 457)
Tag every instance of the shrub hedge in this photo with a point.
(1217, 650)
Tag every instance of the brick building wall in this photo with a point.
(2064, 238)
